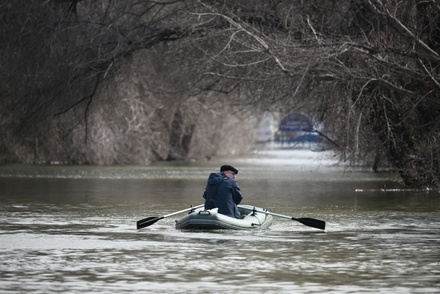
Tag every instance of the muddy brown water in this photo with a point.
(72, 230)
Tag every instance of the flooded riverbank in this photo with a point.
(72, 229)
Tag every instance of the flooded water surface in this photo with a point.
(73, 229)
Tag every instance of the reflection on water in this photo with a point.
(75, 232)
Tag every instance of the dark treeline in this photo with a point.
(107, 82)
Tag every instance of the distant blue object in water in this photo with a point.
(308, 138)
(295, 122)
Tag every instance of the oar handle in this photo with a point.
(266, 212)
(311, 222)
(152, 219)
(184, 210)
(278, 215)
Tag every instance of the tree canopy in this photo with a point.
(86, 80)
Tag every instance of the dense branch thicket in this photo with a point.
(103, 82)
(367, 69)
(134, 81)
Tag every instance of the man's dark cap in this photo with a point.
(228, 167)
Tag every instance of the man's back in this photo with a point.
(224, 193)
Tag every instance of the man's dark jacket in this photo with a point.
(223, 193)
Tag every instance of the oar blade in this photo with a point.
(147, 221)
(311, 222)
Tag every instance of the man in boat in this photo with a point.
(222, 191)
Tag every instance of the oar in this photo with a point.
(152, 219)
(311, 222)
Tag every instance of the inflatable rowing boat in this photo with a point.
(252, 218)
